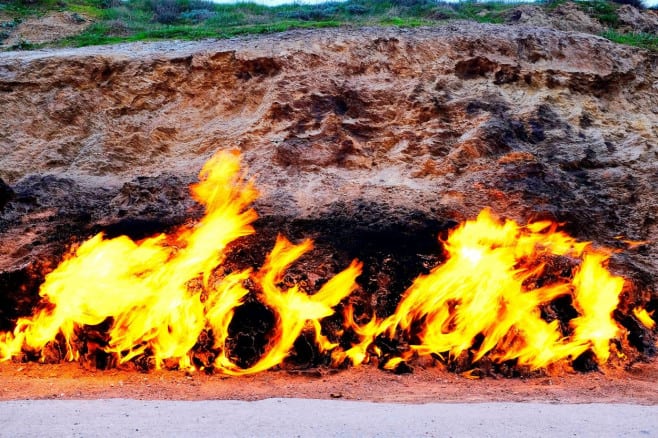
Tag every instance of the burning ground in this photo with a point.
(375, 144)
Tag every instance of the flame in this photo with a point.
(481, 299)
(632, 244)
(144, 287)
(644, 317)
(158, 295)
(294, 307)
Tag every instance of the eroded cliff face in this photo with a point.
(371, 141)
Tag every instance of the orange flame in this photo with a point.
(158, 294)
(644, 317)
(295, 308)
(481, 292)
(144, 286)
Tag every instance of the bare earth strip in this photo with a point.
(639, 385)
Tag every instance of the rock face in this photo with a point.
(567, 17)
(368, 140)
(633, 20)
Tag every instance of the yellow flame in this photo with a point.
(159, 294)
(294, 308)
(644, 317)
(358, 353)
(144, 286)
(478, 299)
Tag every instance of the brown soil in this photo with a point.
(638, 385)
(46, 29)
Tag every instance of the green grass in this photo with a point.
(490, 12)
(137, 20)
(404, 22)
(98, 34)
(19, 9)
(643, 40)
(604, 11)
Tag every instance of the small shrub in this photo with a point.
(197, 15)
(166, 11)
(4, 34)
(117, 28)
(223, 18)
(77, 18)
(353, 9)
(413, 3)
(326, 11)
(441, 14)
(107, 4)
(316, 13)
(200, 5)
(9, 24)
(22, 45)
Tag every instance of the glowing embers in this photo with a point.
(163, 297)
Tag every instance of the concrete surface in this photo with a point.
(313, 418)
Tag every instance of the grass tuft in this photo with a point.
(643, 40)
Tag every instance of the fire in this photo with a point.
(294, 307)
(485, 299)
(644, 317)
(143, 286)
(158, 295)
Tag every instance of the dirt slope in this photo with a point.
(44, 29)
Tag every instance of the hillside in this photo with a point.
(29, 24)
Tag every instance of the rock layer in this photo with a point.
(369, 140)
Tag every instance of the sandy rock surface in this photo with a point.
(634, 20)
(371, 141)
(52, 27)
(567, 17)
(636, 384)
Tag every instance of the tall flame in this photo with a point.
(144, 286)
(159, 294)
(482, 298)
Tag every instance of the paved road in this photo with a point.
(314, 418)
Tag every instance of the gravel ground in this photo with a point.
(298, 417)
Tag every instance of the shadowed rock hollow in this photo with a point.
(371, 141)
